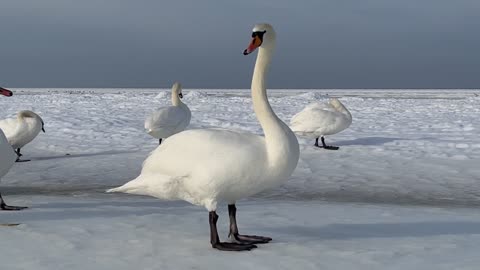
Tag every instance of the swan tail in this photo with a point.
(123, 189)
(155, 185)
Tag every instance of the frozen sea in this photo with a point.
(401, 193)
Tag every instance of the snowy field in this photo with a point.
(401, 193)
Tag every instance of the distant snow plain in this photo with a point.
(401, 193)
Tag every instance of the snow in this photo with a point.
(127, 232)
(397, 195)
(163, 95)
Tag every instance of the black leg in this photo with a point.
(19, 155)
(316, 142)
(4, 206)
(251, 239)
(328, 147)
(159, 141)
(215, 240)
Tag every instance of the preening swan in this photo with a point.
(208, 166)
(22, 129)
(7, 158)
(170, 120)
(319, 119)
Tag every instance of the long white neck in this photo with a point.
(281, 141)
(176, 99)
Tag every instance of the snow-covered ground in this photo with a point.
(399, 194)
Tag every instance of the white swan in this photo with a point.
(22, 129)
(170, 120)
(7, 158)
(207, 166)
(320, 119)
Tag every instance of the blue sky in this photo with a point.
(321, 44)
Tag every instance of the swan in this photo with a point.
(22, 130)
(320, 119)
(208, 166)
(7, 158)
(169, 120)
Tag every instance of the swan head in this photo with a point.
(177, 90)
(6, 92)
(263, 35)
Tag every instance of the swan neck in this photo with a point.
(261, 106)
(176, 99)
(281, 143)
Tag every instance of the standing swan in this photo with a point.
(207, 166)
(7, 158)
(318, 120)
(22, 130)
(169, 120)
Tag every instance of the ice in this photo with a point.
(403, 145)
(129, 232)
(395, 196)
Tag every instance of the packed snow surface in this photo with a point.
(399, 194)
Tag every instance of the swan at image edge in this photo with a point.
(207, 166)
(170, 120)
(321, 119)
(22, 130)
(7, 158)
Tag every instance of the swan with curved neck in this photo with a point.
(7, 158)
(318, 120)
(208, 166)
(170, 120)
(22, 130)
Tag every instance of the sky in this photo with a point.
(320, 43)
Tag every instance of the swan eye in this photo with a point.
(258, 34)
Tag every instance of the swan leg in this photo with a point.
(19, 155)
(250, 239)
(215, 240)
(159, 141)
(328, 147)
(4, 206)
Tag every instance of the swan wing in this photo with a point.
(171, 116)
(203, 148)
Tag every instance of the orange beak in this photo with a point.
(256, 42)
(5, 92)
